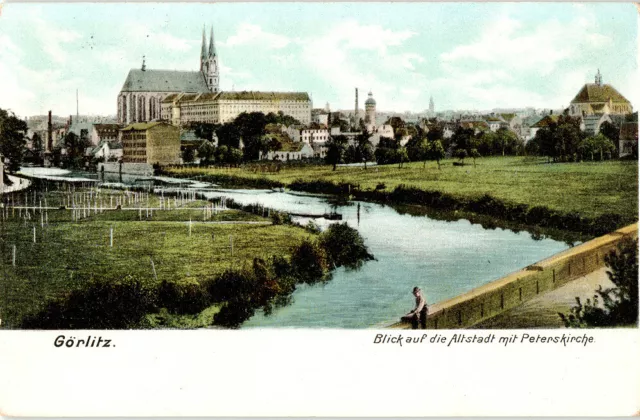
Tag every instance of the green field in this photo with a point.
(66, 253)
(590, 188)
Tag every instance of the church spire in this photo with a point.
(212, 45)
(203, 52)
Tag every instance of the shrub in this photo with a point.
(309, 262)
(344, 246)
(104, 304)
(615, 306)
(185, 296)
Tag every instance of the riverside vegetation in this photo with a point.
(591, 198)
(175, 267)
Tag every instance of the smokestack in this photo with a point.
(355, 116)
(49, 134)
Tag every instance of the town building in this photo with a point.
(222, 107)
(104, 133)
(147, 144)
(144, 89)
(291, 151)
(108, 151)
(599, 98)
(320, 116)
(591, 124)
(628, 142)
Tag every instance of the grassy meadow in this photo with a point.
(589, 188)
(67, 253)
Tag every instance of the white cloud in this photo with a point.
(250, 34)
(509, 58)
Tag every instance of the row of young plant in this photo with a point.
(126, 302)
(540, 216)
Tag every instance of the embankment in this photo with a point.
(507, 292)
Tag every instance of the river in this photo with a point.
(444, 258)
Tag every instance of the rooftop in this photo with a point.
(592, 92)
(164, 81)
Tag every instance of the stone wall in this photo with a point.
(126, 168)
(507, 292)
(163, 145)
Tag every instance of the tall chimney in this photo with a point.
(49, 134)
(355, 116)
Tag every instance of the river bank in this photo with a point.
(528, 217)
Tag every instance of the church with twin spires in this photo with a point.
(145, 89)
(183, 97)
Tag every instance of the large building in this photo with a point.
(222, 107)
(599, 98)
(145, 89)
(150, 143)
(182, 97)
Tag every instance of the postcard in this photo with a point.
(319, 209)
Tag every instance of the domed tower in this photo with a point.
(370, 110)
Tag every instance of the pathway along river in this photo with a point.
(444, 258)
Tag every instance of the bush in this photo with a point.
(105, 304)
(616, 306)
(182, 297)
(309, 262)
(344, 246)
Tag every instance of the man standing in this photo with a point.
(418, 316)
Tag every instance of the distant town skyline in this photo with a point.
(467, 56)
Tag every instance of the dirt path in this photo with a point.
(542, 311)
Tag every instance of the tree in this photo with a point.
(228, 135)
(619, 306)
(435, 133)
(206, 152)
(474, 154)
(436, 152)
(12, 141)
(74, 147)
(507, 141)
(462, 138)
(387, 151)
(403, 156)
(188, 154)
(205, 130)
(418, 150)
(336, 147)
(598, 145)
(611, 131)
(251, 127)
(461, 154)
(221, 154)
(37, 144)
(364, 148)
(234, 156)
(344, 246)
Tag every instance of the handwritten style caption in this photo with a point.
(454, 339)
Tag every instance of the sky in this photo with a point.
(466, 55)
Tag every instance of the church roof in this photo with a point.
(164, 81)
(592, 92)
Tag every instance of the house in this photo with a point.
(110, 151)
(628, 142)
(291, 151)
(146, 144)
(104, 132)
(542, 123)
(591, 123)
